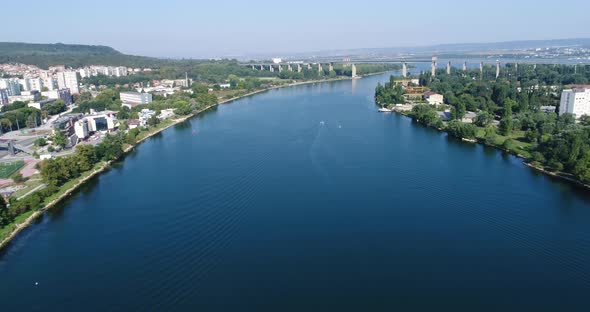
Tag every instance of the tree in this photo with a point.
(459, 129)
(124, 113)
(18, 178)
(233, 80)
(86, 156)
(506, 123)
(483, 119)
(490, 135)
(83, 97)
(5, 218)
(40, 142)
(458, 112)
(153, 121)
(582, 169)
(59, 139)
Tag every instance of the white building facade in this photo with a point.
(575, 101)
(131, 99)
(68, 80)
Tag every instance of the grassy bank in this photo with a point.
(514, 144)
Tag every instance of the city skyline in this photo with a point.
(205, 30)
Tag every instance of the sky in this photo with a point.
(226, 28)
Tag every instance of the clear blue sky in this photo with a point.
(182, 28)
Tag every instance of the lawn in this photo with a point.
(8, 168)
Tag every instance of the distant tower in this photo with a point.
(353, 71)
(434, 59)
(449, 68)
(186, 81)
(404, 69)
(497, 69)
(331, 67)
(320, 70)
(298, 68)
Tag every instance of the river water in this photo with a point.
(307, 199)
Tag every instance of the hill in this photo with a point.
(74, 55)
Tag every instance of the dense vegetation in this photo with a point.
(390, 93)
(509, 113)
(45, 55)
(56, 172)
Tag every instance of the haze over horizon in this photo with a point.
(203, 30)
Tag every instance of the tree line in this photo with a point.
(510, 108)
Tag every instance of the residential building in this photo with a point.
(133, 123)
(36, 84)
(469, 117)
(50, 83)
(25, 84)
(68, 80)
(57, 68)
(63, 94)
(575, 101)
(11, 85)
(85, 72)
(433, 98)
(39, 105)
(81, 128)
(132, 99)
(25, 96)
(4, 97)
(120, 71)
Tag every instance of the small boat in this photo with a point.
(384, 110)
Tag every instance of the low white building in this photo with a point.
(575, 101)
(433, 98)
(165, 114)
(103, 121)
(132, 99)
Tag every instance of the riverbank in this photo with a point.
(73, 185)
(516, 152)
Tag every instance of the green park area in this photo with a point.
(8, 168)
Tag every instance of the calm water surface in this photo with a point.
(307, 199)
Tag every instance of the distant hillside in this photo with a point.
(74, 55)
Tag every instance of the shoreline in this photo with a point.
(525, 160)
(18, 227)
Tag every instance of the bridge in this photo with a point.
(319, 64)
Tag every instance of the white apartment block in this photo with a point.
(11, 85)
(50, 83)
(132, 99)
(575, 101)
(68, 80)
(103, 70)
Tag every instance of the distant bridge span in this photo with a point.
(318, 64)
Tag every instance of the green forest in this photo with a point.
(512, 112)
